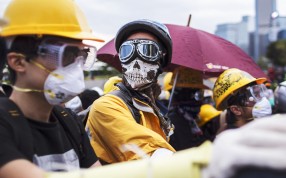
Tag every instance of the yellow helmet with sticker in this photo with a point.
(230, 81)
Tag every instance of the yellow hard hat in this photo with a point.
(207, 113)
(109, 84)
(46, 17)
(230, 81)
(167, 81)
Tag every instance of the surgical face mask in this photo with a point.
(64, 83)
(262, 108)
(139, 74)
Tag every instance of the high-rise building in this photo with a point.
(265, 11)
(237, 33)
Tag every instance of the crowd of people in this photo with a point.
(50, 124)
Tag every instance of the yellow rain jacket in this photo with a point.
(110, 125)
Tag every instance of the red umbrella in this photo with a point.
(198, 50)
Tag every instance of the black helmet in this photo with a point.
(155, 28)
(280, 97)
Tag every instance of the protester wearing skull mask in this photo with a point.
(46, 57)
(144, 48)
(242, 95)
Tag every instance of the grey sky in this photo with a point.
(107, 16)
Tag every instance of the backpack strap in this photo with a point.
(126, 96)
(72, 126)
(11, 113)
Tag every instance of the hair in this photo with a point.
(237, 99)
(230, 119)
(87, 97)
(26, 45)
(211, 128)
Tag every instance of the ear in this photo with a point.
(16, 62)
(236, 110)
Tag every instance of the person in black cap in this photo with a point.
(130, 114)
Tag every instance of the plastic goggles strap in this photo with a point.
(45, 69)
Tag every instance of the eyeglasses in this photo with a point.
(148, 50)
(62, 54)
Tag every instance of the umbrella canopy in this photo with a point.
(196, 49)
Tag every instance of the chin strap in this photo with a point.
(47, 70)
(26, 90)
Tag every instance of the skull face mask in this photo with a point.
(138, 74)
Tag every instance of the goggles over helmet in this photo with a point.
(61, 54)
(157, 29)
(148, 50)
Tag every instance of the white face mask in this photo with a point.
(262, 108)
(64, 83)
(138, 73)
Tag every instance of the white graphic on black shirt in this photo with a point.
(58, 162)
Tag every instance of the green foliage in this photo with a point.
(263, 63)
(276, 52)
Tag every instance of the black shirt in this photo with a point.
(52, 148)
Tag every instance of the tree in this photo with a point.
(263, 63)
(276, 52)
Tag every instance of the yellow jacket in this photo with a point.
(110, 125)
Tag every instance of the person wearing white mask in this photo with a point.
(46, 58)
(242, 95)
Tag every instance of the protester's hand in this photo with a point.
(261, 143)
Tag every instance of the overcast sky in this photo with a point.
(107, 16)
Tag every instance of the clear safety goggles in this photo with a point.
(61, 54)
(256, 92)
(148, 50)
